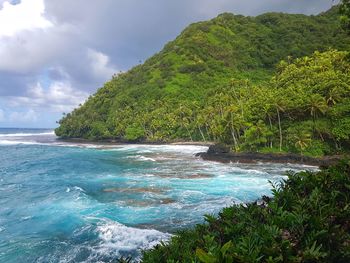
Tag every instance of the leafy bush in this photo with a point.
(134, 133)
(192, 68)
(307, 220)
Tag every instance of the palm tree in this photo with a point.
(333, 96)
(317, 104)
(266, 110)
(185, 114)
(279, 107)
(233, 123)
(302, 140)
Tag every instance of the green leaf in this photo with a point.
(227, 246)
(204, 256)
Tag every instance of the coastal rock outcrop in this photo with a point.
(222, 153)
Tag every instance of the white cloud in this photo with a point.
(32, 51)
(26, 116)
(99, 64)
(26, 15)
(59, 97)
(23, 117)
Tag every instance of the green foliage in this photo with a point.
(307, 220)
(216, 82)
(342, 129)
(256, 136)
(134, 133)
(345, 11)
(124, 260)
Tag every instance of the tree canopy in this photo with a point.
(345, 11)
(265, 83)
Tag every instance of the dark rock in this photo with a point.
(222, 154)
(218, 149)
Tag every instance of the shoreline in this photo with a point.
(222, 154)
(119, 142)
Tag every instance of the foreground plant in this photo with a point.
(307, 220)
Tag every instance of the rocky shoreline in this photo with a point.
(220, 153)
(123, 142)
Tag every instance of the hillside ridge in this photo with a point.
(162, 99)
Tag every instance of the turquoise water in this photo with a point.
(69, 202)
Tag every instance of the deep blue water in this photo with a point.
(66, 202)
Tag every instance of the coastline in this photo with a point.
(112, 142)
(222, 154)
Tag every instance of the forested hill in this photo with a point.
(186, 91)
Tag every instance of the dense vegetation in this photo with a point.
(345, 14)
(271, 83)
(307, 220)
(218, 81)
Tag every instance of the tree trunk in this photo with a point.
(234, 138)
(200, 130)
(208, 133)
(280, 129)
(271, 130)
(321, 136)
(188, 131)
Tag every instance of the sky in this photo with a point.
(55, 53)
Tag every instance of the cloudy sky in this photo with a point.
(54, 53)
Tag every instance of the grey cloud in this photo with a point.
(14, 84)
(127, 31)
(31, 52)
(58, 97)
(57, 74)
(132, 30)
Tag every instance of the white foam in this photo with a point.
(191, 193)
(26, 134)
(146, 148)
(120, 239)
(9, 142)
(55, 144)
(143, 158)
(144, 151)
(189, 149)
(24, 218)
(78, 189)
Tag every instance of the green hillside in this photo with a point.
(212, 82)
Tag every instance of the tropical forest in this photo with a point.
(272, 83)
(275, 83)
(195, 131)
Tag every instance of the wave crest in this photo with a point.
(124, 241)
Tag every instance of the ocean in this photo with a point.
(75, 202)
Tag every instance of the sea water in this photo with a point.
(75, 202)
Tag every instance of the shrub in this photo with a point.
(134, 133)
(307, 220)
